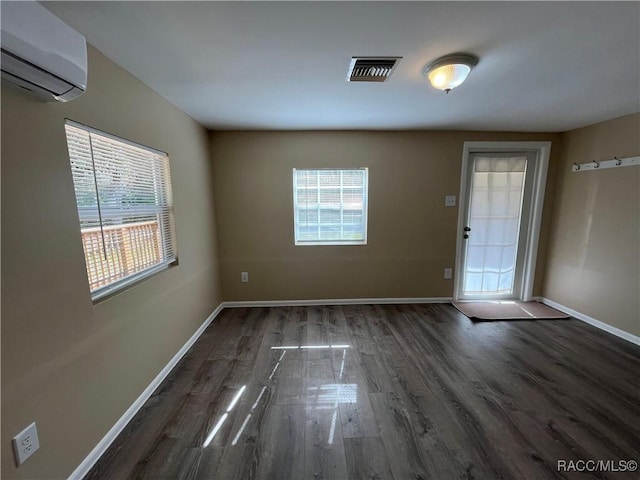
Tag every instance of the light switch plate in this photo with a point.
(450, 201)
(448, 273)
(244, 277)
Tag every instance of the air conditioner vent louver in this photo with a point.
(371, 69)
(42, 54)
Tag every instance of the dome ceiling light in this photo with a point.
(449, 71)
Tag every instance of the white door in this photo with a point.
(497, 227)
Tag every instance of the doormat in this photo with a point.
(508, 310)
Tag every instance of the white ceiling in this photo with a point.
(544, 66)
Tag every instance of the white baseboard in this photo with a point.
(335, 301)
(111, 435)
(592, 321)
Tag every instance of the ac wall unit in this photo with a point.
(41, 53)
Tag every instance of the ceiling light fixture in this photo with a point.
(449, 71)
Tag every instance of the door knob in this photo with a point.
(465, 236)
(466, 229)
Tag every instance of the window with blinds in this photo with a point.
(330, 206)
(125, 206)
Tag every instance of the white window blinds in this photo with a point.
(125, 206)
(330, 206)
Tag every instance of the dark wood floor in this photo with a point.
(403, 392)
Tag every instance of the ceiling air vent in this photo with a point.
(371, 69)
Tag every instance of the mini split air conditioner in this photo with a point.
(41, 53)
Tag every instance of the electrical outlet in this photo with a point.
(450, 201)
(244, 277)
(25, 443)
(447, 273)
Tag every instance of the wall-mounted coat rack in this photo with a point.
(614, 163)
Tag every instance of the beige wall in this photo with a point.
(75, 367)
(411, 236)
(593, 265)
(71, 366)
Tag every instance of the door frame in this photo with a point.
(542, 151)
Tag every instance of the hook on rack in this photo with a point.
(614, 162)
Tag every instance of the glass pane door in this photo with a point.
(493, 227)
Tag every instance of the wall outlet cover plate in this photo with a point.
(25, 443)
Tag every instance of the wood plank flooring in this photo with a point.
(386, 392)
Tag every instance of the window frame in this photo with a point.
(167, 228)
(365, 208)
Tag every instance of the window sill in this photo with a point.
(330, 243)
(109, 291)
